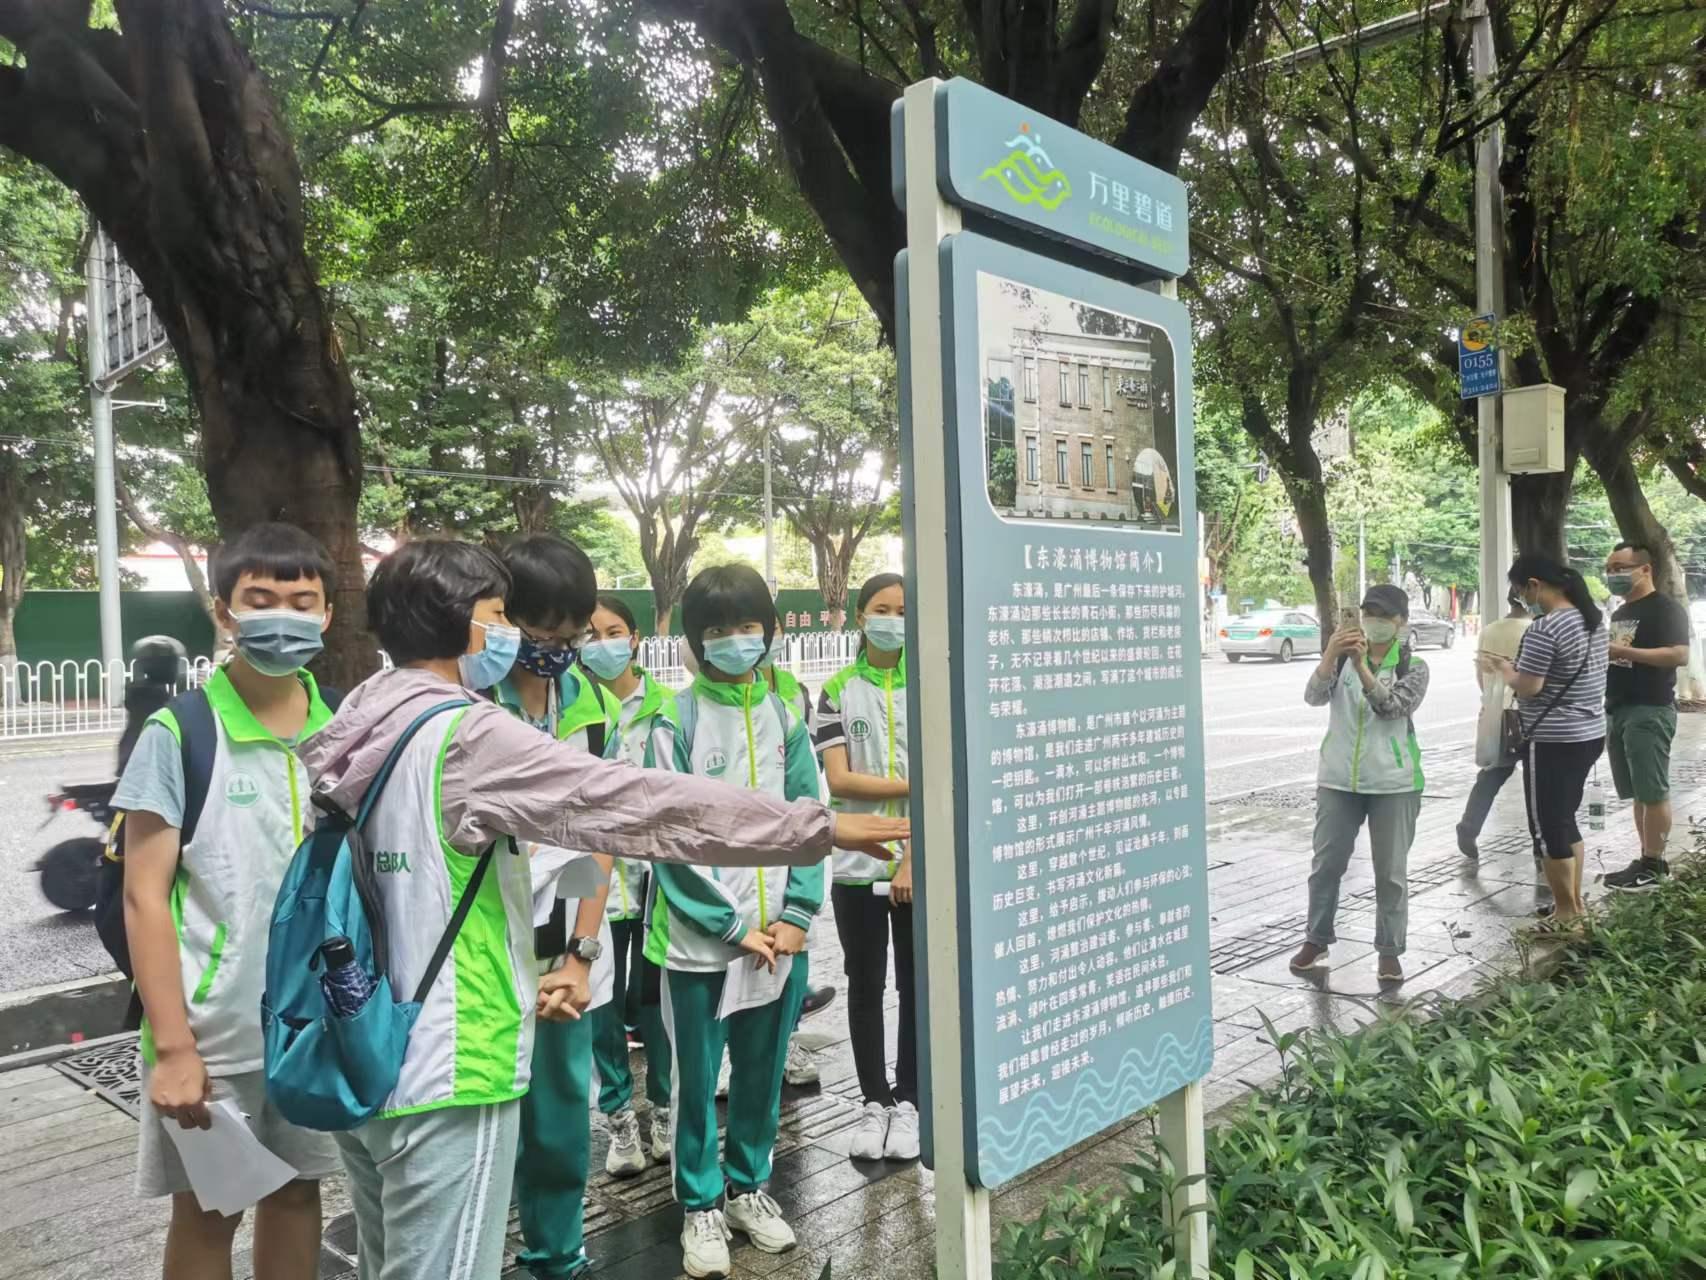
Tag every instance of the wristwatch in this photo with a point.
(588, 949)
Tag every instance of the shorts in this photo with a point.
(159, 1171)
(1638, 740)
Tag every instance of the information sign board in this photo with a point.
(1080, 818)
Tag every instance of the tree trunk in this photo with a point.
(1309, 502)
(186, 552)
(1538, 507)
(175, 145)
(834, 567)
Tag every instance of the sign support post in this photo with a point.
(106, 488)
(963, 1249)
(1055, 695)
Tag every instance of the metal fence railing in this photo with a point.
(56, 699)
(60, 699)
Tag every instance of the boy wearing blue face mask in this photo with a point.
(197, 909)
(552, 595)
(711, 928)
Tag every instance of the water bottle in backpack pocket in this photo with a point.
(331, 1062)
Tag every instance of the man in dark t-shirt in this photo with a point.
(1649, 641)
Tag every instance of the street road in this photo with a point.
(1258, 733)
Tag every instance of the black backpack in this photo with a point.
(198, 743)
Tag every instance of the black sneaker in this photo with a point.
(1466, 843)
(816, 998)
(1639, 876)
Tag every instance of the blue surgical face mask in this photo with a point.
(1620, 584)
(886, 632)
(769, 658)
(277, 642)
(607, 659)
(537, 659)
(1535, 608)
(734, 655)
(484, 669)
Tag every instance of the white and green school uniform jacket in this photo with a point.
(473, 1041)
(1364, 752)
(742, 734)
(640, 710)
(256, 813)
(578, 702)
(864, 710)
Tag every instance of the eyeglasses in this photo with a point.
(550, 644)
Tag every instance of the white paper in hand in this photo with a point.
(750, 985)
(228, 1168)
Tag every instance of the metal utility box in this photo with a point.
(1534, 429)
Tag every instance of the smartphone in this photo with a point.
(1350, 619)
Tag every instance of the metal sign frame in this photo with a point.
(932, 523)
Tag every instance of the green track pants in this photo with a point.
(636, 995)
(551, 1160)
(757, 1041)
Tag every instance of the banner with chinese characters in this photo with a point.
(1079, 772)
(1011, 163)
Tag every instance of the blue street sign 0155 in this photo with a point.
(1478, 358)
(1009, 162)
(1078, 775)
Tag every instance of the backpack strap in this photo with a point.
(198, 743)
(464, 905)
(377, 786)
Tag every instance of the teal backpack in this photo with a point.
(326, 1071)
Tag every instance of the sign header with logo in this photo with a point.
(1009, 162)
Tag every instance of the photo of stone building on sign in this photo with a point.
(1079, 410)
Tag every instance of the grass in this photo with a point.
(1553, 1129)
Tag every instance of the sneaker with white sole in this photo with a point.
(902, 1143)
(802, 1064)
(871, 1138)
(723, 1080)
(627, 1156)
(759, 1218)
(661, 1146)
(705, 1245)
(1639, 876)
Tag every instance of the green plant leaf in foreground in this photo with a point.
(1550, 1129)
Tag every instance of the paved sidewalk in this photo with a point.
(67, 1152)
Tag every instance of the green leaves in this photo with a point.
(1551, 1130)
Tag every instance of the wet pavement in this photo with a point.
(66, 1152)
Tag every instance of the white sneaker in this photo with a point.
(705, 1245)
(723, 1080)
(802, 1064)
(759, 1218)
(661, 1148)
(872, 1136)
(902, 1141)
(627, 1157)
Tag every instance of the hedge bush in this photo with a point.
(1548, 1129)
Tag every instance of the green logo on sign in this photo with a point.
(860, 729)
(241, 790)
(389, 862)
(716, 764)
(1028, 175)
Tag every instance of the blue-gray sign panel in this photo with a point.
(1081, 824)
(1010, 162)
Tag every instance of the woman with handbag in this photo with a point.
(1559, 681)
